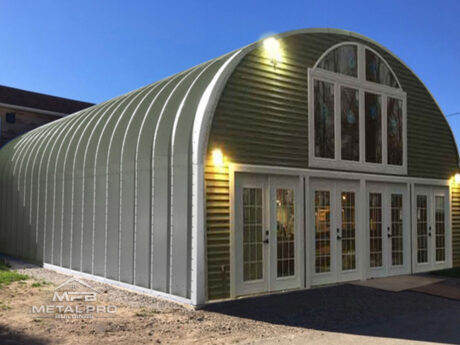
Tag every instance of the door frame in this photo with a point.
(296, 281)
(327, 277)
(431, 191)
(387, 269)
(270, 283)
(335, 188)
(255, 286)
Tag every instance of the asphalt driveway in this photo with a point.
(357, 310)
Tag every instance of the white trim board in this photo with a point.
(119, 284)
(333, 174)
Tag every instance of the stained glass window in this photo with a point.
(377, 71)
(394, 131)
(324, 119)
(341, 60)
(373, 122)
(349, 99)
(358, 107)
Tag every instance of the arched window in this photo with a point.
(357, 112)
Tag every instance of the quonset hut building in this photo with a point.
(313, 157)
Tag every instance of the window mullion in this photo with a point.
(361, 64)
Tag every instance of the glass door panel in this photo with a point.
(348, 233)
(375, 230)
(422, 229)
(322, 231)
(440, 226)
(252, 234)
(397, 230)
(285, 232)
(285, 239)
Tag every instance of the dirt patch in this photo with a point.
(139, 319)
(343, 314)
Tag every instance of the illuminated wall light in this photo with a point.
(217, 158)
(273, 50)
(457, 179)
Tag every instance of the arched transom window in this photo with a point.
(357, 112)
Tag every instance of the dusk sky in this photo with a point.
(96, 50)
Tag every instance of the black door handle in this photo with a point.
(266, 241)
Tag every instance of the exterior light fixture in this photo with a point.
(457, 179)
(273, 50)
(217, 158)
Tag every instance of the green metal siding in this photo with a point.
(455, 225)
(261, 118)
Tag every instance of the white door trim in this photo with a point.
(333, 174)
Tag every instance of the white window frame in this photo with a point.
(362, 85)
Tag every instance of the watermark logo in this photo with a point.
(74, 299)
(64, 293)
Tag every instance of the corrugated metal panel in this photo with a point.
(455, 225)
(94, 191)
(218, 231)
(261, 119)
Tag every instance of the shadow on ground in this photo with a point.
(355, 310)
(13, 337)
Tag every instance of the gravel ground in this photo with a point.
(342, 314)
(111, 294)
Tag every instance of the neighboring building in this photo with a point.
(313, 157)
(22, 111)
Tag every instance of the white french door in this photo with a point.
(388, 233)
(267, 233)
(335, 235)
(431, 237)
